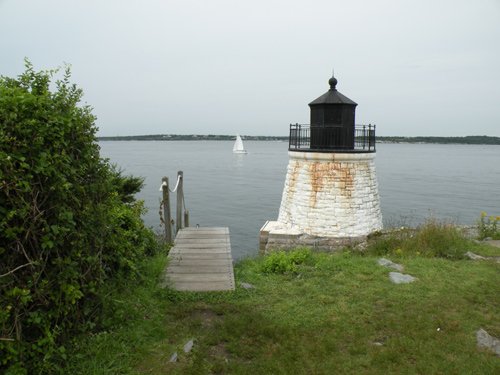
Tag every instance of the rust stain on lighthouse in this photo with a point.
(325, 175)
(292, 179)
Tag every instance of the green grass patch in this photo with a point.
(134, 320)
(337, 313)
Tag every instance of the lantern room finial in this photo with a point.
(333, 82)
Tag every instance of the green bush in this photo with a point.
(488, 226)
(68, 220)
(285, 262)
(431, 239)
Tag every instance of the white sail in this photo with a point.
(238, 147)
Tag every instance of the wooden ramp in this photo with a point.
(201, 260)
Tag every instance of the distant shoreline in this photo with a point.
(468, 140)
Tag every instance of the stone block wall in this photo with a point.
(273, 236)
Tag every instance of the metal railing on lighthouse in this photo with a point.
(332, 138)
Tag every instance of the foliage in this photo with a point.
(191, 137)
(468, 140)
(431, 239)
(474, 139)
(285, 262)
(68, 220)
(135, 310)
(489, 227)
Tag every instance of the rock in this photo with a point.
(173, 358)
(361, 246)
(189, 346)
(471, 255)
(484, 340)
(400, 278)
(387, 263)
(495, 243)
(247, 286)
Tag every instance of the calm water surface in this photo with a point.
(416, 181)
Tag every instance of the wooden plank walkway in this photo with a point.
(201, 260)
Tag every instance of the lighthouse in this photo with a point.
(330, 197)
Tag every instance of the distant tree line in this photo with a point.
(469, 140)
(191, 137)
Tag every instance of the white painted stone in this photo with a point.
(188, 346)
(401, 278)
(246, 285)
(471, 255)
(331, 195)
(485, 340)
(388, 263)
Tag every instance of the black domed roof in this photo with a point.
(332, 96)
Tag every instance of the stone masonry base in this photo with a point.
(275, 236)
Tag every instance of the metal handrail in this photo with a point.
(332, 138)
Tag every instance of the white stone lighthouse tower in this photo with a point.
(330, 198)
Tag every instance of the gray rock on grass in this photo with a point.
(390, 264)
(400, 278)
(471, 255)
(246, 285)
(173, 357)
(485, 340)
(189, 346)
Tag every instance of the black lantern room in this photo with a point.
(332, 120)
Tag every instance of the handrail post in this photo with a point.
(297, 126)
(166, 210)
(180, 195)
(364, 135)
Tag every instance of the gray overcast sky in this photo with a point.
(422, 67)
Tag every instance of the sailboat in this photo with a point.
(238, 147)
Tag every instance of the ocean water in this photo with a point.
(416, 181)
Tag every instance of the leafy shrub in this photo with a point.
(382, 244)
(431, 239)
(488, 226)
(285, 262)
(436, 239)
(68, 220)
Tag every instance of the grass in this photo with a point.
(328, 314)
